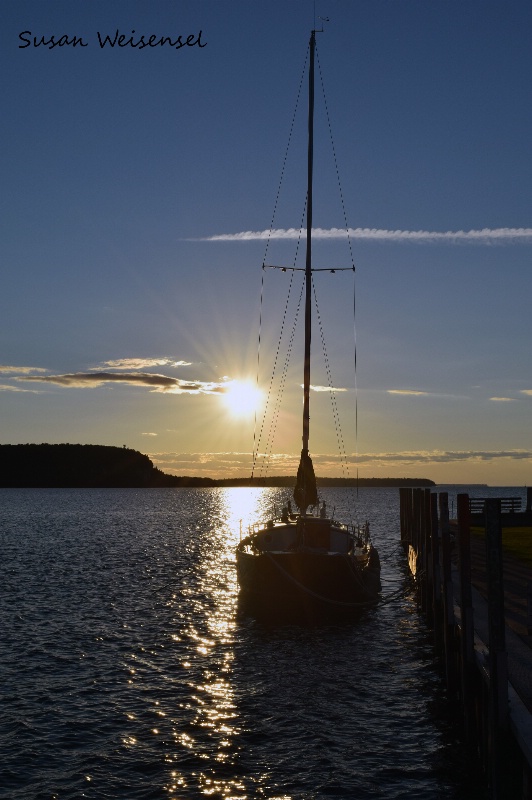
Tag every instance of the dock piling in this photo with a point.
(467, 633)
(498, 659)
(449, 624)
(435, 565)
(496, 722)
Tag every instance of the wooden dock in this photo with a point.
(478, 600)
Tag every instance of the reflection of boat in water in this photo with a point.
(307, 557)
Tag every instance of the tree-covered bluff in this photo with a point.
(76, 466)
(93, 466)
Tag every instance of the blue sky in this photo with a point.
(137, 182)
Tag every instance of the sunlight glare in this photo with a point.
(242, 398)
(244, 505)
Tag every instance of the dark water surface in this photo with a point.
(129, 670)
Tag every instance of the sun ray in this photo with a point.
(242, 398)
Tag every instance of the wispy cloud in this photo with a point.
(326, 464)
(503, 399)
(143, 363)
(146, 433)
(484, 236)
(526, 391)
(5, 387)
(411, 392)
(285, 460)
(154, 382)
(212, 465)
(422, 393)
(327, 389)
(408, 458)
(443, 456)
(24, 370)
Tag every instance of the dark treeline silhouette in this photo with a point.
(99, 466)
(76, 465)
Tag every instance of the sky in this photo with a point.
(137, 184)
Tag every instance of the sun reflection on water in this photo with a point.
(242, 507)
(211, 734)
(208, 726)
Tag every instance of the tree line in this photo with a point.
(101, 466)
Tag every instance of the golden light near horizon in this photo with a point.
(242, 398)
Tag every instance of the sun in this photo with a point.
(242, 398)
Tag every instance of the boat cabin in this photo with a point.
(313, 533)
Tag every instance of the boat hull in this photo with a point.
(331, 581)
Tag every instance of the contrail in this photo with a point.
(483, 236)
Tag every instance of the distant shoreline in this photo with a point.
(289, 482)
(86, 466)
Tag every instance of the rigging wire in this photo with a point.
(274, 365)
(336, 416)
(355, 374)
(282, 382)
(273, 424)
(283, 167)
(403, 591)
(351, 254)
(256, 441)
(348, 236)
(257, 437)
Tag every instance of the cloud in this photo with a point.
(236, 464)
(4, 387)
(24, 370)
(413, 392)
(443, 456)
(330, 463)
(503, 399)
(211, 465)
(327, 389)
(149, 434)
(483, 236)
(284, 460)
(421, 393)
(526, 391)
(157, 383)
(144, 363)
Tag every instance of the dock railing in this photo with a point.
(475, 665)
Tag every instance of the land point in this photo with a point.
(70, 466)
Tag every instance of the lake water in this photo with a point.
(129, 670)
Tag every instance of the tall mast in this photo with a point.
(308, 262)
(305, 492)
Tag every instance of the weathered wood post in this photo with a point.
(529, 608)
(498, 659)
(436, 578)
(405, 497)
(427, 557)
(413, 547)
(415, 519)
(448, 596)
(419, 514)
(402, 513)
(467, 655)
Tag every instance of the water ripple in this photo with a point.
(129, 670)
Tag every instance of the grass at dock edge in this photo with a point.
(517, 541)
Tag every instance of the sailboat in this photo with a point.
(307, 558)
